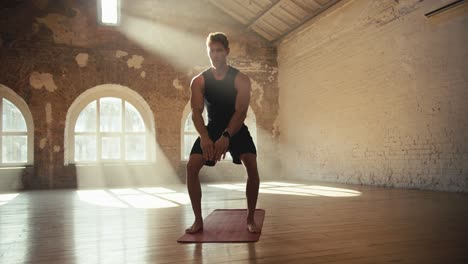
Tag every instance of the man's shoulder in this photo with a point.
(198, 79)
(240, 76)
(201, 74)
(242, 81)
(238, 73)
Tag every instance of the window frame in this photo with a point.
(16, 100)
(125, 95)
(191, 133)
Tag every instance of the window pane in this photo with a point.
(111, 114)
(188, 143)
(251, 123)
(13, 120)
(133, 120)
(135, 147)
(87, 119)
(189, 139)
(109, 11)
(110, 147)
(14, 149)
(189, 126)
(85, 148)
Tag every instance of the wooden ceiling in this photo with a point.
(273, 19)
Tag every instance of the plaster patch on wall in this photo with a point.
(82, 59)
(273, 74)
(135, 62)
(35, 28)
(143, 74)
(196, 70)
(38, 80)
(48, 110)
(256, 65)
(177, 85)
(66, 30)
(57, 148)
(35, 80)
(276, 127)
(43, 143)
(381, 12)
(238, 49)
(120, 54)
(257, 88)
(408, 5)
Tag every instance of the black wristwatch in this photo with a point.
(226, 134)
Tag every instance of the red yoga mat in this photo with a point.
(226, 225)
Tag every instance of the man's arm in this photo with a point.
(242, 83)
(197, 103)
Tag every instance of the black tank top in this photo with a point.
(220, 97)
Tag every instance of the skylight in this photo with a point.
(109, 12)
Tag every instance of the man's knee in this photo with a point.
(194, 164)
(250, 162)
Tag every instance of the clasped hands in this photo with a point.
(214, 151)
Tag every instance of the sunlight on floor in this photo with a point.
(293, 189)
(157, 197)
(7, 197)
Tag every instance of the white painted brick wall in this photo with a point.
(373, 92)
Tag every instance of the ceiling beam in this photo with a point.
(306, 19)
(306, 8)
(268, 10)
(239, 18)
(262, 32)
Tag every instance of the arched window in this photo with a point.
(110, 123)
(190, 134)
(16, 130)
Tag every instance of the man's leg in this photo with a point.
(253, 182)
(195, 163)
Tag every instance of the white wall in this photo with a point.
(10, 179)
(374, 92)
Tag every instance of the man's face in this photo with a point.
(217, 53)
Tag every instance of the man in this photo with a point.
(226, 93)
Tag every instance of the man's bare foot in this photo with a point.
(252, 227)
(195, 228)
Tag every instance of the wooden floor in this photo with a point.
(305, 223)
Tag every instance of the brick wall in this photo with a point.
(373, 92)
(46, 37)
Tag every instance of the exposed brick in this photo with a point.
(50, 45)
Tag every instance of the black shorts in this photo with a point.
(239, 143)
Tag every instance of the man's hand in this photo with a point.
(207, 148)
(220, 148)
